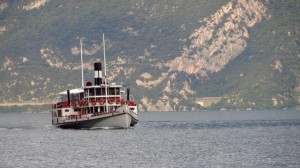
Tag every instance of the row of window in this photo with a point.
(73, 97)
(92, 92)
(101, 91)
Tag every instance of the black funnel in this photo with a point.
(128, 94)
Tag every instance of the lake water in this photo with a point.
(264, 139)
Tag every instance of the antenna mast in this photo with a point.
(82, 78)
(104, 56)
(105, 81)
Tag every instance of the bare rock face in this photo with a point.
(35, 4)
(3, 6)
(221, 38)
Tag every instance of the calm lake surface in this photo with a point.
(264, 139)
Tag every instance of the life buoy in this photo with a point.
(93, 102)
(118, 101)
(74, 104)
(80, 103)
(110, 100)
(101, 101)
(64, 104)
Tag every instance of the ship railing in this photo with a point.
(101, 101)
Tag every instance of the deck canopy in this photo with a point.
(72, 91)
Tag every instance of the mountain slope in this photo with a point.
(176, 55)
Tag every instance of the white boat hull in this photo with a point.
(118, 120)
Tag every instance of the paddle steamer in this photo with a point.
(98, 105)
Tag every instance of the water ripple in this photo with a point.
(219, 124)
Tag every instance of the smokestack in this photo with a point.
(128, 94)
(68, 94)
(98, 73)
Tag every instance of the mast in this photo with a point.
(105, 81)
(82, 78)
(104, 56)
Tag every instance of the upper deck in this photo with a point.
(94, 91)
